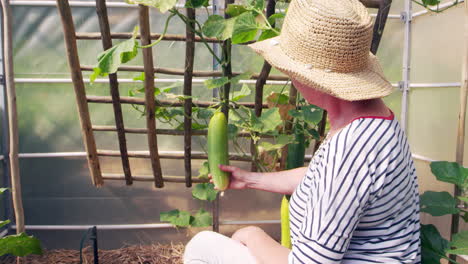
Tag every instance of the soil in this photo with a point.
(142, 254)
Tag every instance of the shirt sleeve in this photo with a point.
(334, 210)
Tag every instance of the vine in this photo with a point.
(19, 245)
(430, 3)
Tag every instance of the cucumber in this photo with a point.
(295, 159)
(218, 150)
(296, 150)
(285, 232)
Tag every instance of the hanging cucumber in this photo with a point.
(218, 150)
(296, 150)
(295, 159)
(285, 232)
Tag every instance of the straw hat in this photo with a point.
(325, 44)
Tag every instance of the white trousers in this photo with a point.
(209, 247)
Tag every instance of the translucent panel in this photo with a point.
(390, 50)
(437, 47)
(432, 122)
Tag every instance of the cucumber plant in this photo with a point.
(433, 245)
(247, 22)
(19, 245)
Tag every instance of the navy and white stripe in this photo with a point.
(358, 202)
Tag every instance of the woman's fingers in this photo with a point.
(227, 168)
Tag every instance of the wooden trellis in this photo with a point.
(149, 101)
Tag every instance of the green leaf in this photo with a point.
(110, 60)
(312, 114)
(270, 120)
(20, 245)
(460, 243)
(450, 172)
(217, 82)
(176, 217)
(204, 170)
(259, 5)
(278, 99)
(235, 10)
(201, 219)
(272, 18)
(431, 2)
(218, 27)
(197, 126)
(204, 191)
(196, 3)
(237, 95)
(238, 78)
(2, 190)
(168, 89)
(162, 5)
(232, 131)
(4, 223)
(140, 77)
(267, 34)
(267, 146)
(314, 133)
(205, 113)
(438, 203)
(433, 245)
(245, 28)
(284, 139)
(465, 217)
(463, 199)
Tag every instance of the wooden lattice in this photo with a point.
(149, 101)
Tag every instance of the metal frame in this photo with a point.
(405, 85)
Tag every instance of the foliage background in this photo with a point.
(59, 190)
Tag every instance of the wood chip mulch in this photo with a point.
(142, 254)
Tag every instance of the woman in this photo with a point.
(357, 201)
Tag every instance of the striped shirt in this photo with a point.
(359, 201)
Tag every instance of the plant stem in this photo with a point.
(166, 25)
(436, 10)
(197, 32)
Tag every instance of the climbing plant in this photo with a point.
(433, 245)
(19, 245)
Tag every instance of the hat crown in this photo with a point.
(328, 34)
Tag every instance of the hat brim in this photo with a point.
(368, 83)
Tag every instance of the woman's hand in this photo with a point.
(239, 179)
(284, 182)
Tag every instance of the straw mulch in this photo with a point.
(143, 254)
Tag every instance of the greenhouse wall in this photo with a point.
(59, 191)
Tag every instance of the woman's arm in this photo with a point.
(264, 248)
(284, 182)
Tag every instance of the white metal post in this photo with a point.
(406, 17)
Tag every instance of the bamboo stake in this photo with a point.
(114, 90)
(188, 76)
(170, 71)
(166, 103)
(127, 35)
(177, 156)
(12, 118)
(148, 178)
(288, 127)
(461, 124)
(80, 94)
(266, 68)
(224, 96)
(380, 21)
(321, 130)
(149, 95)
